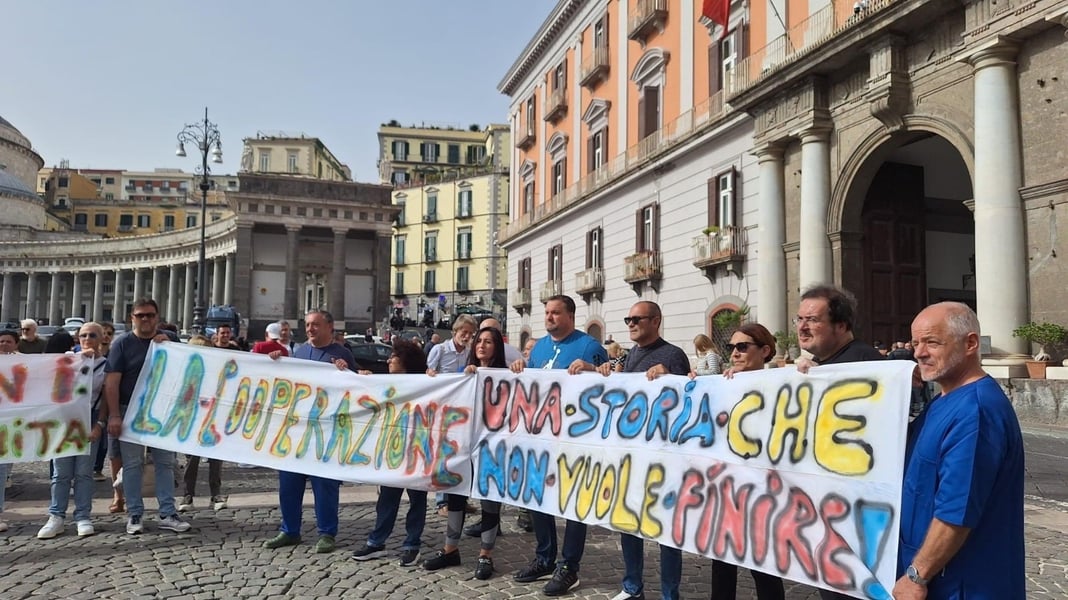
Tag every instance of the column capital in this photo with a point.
(999, 50)
(818, 133)
(1060, 17)
(340, 231)
(769, 151)
(290, 228)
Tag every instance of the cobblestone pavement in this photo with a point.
(222, 557)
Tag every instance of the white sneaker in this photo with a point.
(186, 504)
(134, 525)
(3, 525)
(174, 523)
(51, 529)
(85, 528)
(117, 484)
(218, 502)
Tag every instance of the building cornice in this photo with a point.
(546, 35)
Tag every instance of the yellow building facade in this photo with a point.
(292, 154)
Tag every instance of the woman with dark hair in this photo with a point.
(750, 349)
(61, 342)
(487, 351)
(406, 358)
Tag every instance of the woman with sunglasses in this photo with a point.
(79, 468)
(406, 358)
(487, 351)
(751, 347)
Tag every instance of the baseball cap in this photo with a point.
(274, 331)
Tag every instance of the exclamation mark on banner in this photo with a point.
(873, 526)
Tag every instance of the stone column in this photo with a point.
(157, 283)
(228, 280)
(173, 304)
(139, 284)
(217, 280)
(76, 296)
(815, 198)
(9, 304)
(119, 306)
(98, 297)
(289, 301)
(31, 295)
(771, 235)
(54, 306)
(1001, 267)
(189, 296)
(337, 278)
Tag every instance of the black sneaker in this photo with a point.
(442, 559)
(369, 552)
(563, 581)
(533, 572)
(408, 556)
(484, 568)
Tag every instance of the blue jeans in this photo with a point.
(545, 534)
(5, 470)
(80, 470)
(386, 514)
(133, 458)
(291, 501)
(634, 562)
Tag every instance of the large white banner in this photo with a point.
(45, 400)
(794, 475)
(797, 476)
(305, 416)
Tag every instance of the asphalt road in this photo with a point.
(1046, 463)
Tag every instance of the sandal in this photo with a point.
(117, 506)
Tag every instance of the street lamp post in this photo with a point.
(205, 136)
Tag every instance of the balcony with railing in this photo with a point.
(430, 256)
(556, 105)
(819, 28)
(430, 217)
(689, 124)
(595, 66)
(645, 17)
(521, 299)
(726, 246)
(642, 266)
(589, 281)
(553, 287)
(526, 139)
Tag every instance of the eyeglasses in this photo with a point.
(634, 320)
(741, 346)
(91, 336)
(27, 328)
(144, 315)
(807, 320)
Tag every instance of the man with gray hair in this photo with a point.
(30, 342)
(451, 356)
(962, 523)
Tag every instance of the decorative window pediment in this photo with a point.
(596, 115)
(527, 169)
(650, 68)
(557, 146)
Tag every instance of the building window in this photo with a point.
(430, 247)
(531, 113)
(600, 39)
(463, 280)
(722, 56)
(398, 177)
(64, 182)
(265, 161)
(560, 76)
(524, 274)
(401, 220)
(528, 198)
(598, 146)
(429, 151)
(454, 154)
(109, 196)
(109, 180)
(649, 75)
(398, 249)
(168, 222)
(556, 263)
(81, 219)
(190, 220)
(398, 284)
(100, 220)
(400, 150)
(559, 173)
(125, 221)
(594, 249)
(431, 208)
(722, 200)
(465, 206)
(647, 228)
(430, 283)
(596, 119)
(291, 164)
(463, 243)
(144, 221)
(648, 111)
(475, 154)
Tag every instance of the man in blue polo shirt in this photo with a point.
(563, 348)
(962, 529)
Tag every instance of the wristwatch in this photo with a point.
(914, 575)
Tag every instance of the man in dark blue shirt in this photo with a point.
(319, 326)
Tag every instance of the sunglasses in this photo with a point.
(144, 315)
(27, 328)
(634, 320)
(741, 346)
(91, 336)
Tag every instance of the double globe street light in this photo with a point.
(205, 136)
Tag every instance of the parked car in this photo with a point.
(372, 357)
(46, 331)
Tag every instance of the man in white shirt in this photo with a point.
(451, 356)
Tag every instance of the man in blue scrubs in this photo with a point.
(962, 531)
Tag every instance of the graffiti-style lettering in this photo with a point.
(440, 474)
(63, 382)
(74, 438)
(733, 519)
(787, 422)
(798, 513)
(15, 386)
(739, 442)
(422, 439)
(314, 429)
(282, 444)
(834, 451)
(281, 399)
(143, 421)
(255, 409)
(184, 410)
(834, 508)
(209, 433)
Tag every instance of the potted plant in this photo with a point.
(786, 341)
(710, 230)
(1043, 334)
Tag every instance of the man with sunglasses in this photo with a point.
(653, 356)
(125, 359)
(30, 342)
(563, 348)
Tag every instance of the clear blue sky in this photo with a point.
(108, 84)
